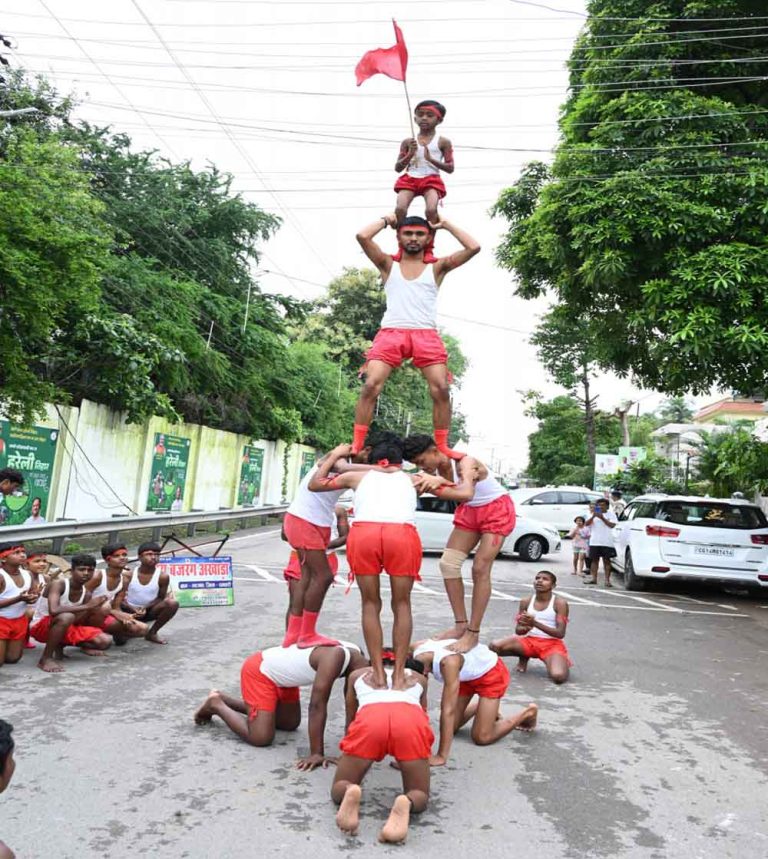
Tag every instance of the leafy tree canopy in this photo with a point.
(652, 217)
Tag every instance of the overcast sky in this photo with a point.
(265, 89)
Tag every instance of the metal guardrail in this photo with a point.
(65, 529)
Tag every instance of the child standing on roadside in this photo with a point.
(579, 534)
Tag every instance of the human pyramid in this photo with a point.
(386, 695)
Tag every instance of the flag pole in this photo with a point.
(410, 112)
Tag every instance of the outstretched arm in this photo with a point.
(322, 482)
(450, 668)
(328, 669)
(375, 254)
(470, 247)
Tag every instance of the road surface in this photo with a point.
(657, 747)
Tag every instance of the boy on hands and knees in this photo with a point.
(601, 544)
(409, 326)
(7, 767)
(113, 584)
(16, 595)
(464, 675)
(147, 596)
(65, 617)
(270, 682)
(482, 521)
(540, 630)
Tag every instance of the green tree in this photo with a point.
(675, 410)
(652, 217)
(557, 449)
(732, 460)
(347, 319)
(652, 474)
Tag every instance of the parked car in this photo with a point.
(558, 506)
(689, 537)
(530, 540)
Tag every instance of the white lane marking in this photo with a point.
(237, 539)
(502, 596)
(265, 574)
(723, 605)
(417, 586)
(576, 599)
(659, 605)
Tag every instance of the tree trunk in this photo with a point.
(622, 413)
(589, 416)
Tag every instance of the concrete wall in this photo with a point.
(103, 464)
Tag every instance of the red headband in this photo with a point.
(414, 228)
(114, 553)
(430, 108)
(36, 555)
(12, 549)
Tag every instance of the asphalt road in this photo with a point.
(657, 747)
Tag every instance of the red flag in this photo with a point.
(391, 62)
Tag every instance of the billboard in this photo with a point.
(251, 467)
(200, 581)
(32, 451)
(168, 477)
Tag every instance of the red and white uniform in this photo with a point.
(383, 536)
(409, 325)
(275, 675)
(13, 620)
(310, 516)
(538, 644)
(388, 722)
(41, 620)
(489, 511)
(483, 673)
(420, 175)
(292, 571)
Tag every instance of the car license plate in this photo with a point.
(717, 551)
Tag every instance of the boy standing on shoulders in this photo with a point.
(540, 630)
(147, 595)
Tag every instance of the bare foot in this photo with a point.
(92, 651)
(404, 682)
(348, 815)
(529, 723)
(454, 632)
(467, 641)
(370, 679)
(155, 638)
(522, 666)
(204, 715)
(51, 666)
(395, 829)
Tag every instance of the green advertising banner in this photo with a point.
(30, 450)
(169, 472)
(307, 461)
(251, 465)
(200, 581)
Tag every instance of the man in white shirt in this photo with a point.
(601, 545)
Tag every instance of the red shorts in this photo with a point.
(536, 647)
(399, 729)
(395, 345)
(261, 693)
(13, 628)
(420, 184)
(305, 535)
(376, 546)
(498, 517)
(493, 684)
(74, 635)
(292, 572)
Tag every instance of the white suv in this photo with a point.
(684, 537)
(558, 506)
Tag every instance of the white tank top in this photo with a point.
(101, 590)
(546, 616)
(478, 661)
(419, 166)
(410, 303)
(319, 508)
(12, 590)
(385, 497)
(139, 595)
(287, 667)
(486, 490)
(368, 695)
(41, 606)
